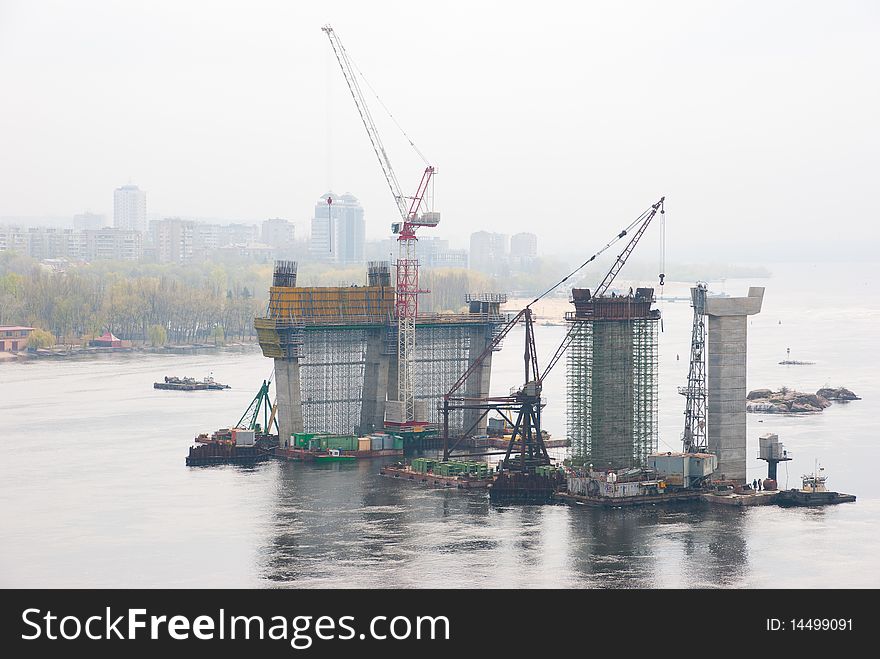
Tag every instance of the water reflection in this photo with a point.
(344, 525)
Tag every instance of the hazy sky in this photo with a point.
(757, 120)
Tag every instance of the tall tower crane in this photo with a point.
(694, 436)
(407, 286)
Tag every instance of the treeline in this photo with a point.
(139, 302)
(199, 302)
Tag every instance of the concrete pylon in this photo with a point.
(726, 380)
(287, 387)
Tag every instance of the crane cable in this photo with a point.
(619, 236)
(385, 107)
(662, 275)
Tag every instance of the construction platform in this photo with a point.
(762, 498)
(681, 496)
(462, 482)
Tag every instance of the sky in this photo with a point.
(756, 120)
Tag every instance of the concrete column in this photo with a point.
(287, 388)
(612, 395)
(375, 388)
(726, 380)
(477, 385)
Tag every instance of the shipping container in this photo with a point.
(398, 443)
(364, 444)
(243, 437)
(376, 443)
(388, 442)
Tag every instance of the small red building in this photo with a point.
(106, 340)
(14, 337)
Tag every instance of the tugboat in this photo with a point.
(189, 384)
(812, 492)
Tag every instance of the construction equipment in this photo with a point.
(260, 403)
(694, 436)
(526, 450)
(407, 286)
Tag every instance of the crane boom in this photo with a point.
(407, 285)
(367, 119)
(624, 255)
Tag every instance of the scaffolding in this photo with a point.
(612, 381)
(336, 333)
(442, 355)
(332, 364)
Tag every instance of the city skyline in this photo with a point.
(577, 146)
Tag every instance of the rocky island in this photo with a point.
(789, 401)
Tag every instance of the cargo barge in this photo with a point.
(311, 447)
(189, 384)
(460, 475)
(294, 454)
(215, 453)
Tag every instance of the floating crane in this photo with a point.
(407, 287)
(526, 402)
(262, 402)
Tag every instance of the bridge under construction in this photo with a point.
(336, 353)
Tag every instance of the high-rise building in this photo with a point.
(87, 220)
(489, 252)
(338, 229)
(238, 234)
(277, 233)
(13, 239)
(173, 239)
(523, 246)
(112, 244)
(130, 208)
(434, 252)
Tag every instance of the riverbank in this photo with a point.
(80, 352)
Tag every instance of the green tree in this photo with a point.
(158, 335)
(41, 339)
(219, 335)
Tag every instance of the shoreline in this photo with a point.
(90, 353)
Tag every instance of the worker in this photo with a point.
(754, 484)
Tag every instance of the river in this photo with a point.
(95, 493)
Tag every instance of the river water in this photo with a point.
(94, 491)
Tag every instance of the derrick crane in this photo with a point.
(407, 285)
(526, 401)
(262, 402)
(694, 436)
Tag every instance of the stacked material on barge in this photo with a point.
(451, 473)
(308, 447)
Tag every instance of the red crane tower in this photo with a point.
(407, 285)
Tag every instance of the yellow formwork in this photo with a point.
(357, 304)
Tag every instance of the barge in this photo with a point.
(215, 453)
(621, 502)
(297, 454)
(189, 384)
(458, 481)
